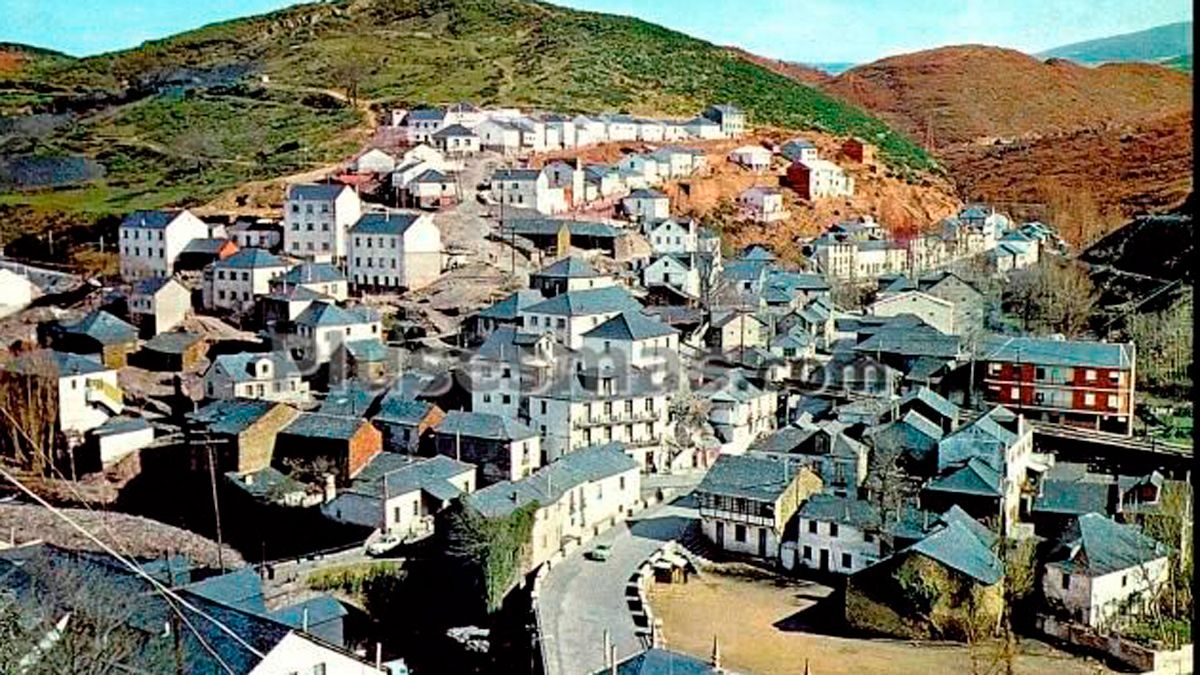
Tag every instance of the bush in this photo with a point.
(355, 580)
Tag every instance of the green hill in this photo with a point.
(181, 119)
(1161, 43)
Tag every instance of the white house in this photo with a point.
(457, 140)
(158, 304)
(269, 376)
(732, 329)
(753, 157)
(589, 130)
(1101, 565)
(87, 391)
(16, 292)
(643, 166)
(675, 270)
(323, 327)
(373, 161)
(703, 128)
(762, 204)
(394, 249)
(650, 130)
(233, 283)
(740, 411)
(315, 220)
(731, 118)
(633, 339)
(499, 135)
(120, 437)
(647, 205)
(465, 114)
(571, 273)
(676, 236)
(264, 233)
(674, 162)
(422, 124)
(322, 278)
(151, 241)
(819, 178)
(400, 495)
(620, 127)
(504, 367)
(528, 189)
(569, 315)
(932, 310)
(837, 534)
(798, 150)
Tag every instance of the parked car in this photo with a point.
(383, 545)
(600, 553)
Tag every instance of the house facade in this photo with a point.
(316, 218)
(268, 376)
(233, 283)
(394, 250)
(151, 241)
(158, 304)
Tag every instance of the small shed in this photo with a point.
(118, 438)
(176, 352)
(99, 333)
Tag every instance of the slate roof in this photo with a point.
(646, 193)
(758, 253)
(426, 115)
(747, 476)
(1095, 545)
(432, 176)
(483, 425)
(1068, 353)
(550, 227)
(151, 285)
(232, 416)
(237, 366)
(206, 246)
(174, 342)
(250, 258)
(631, 326)
(319, 610)
(150, 220)
(955, 514)
(65, 364)
(974, 477)
(331, 427)
(550, 482)
(104, 328)
(352, 400)
(116, 426)
(931, 399)
(570, 267)
(369, 350)
(397, 410)
(857, 513)
(586, 302)
(267, 484)
(389, 222)
(1073, 498)
(657, 661)
(733, 387)
(241, 589)
(516, 174)
(911, 342)
(572, 386)
(510, 307)
(958, 547)
(316, 191)
(329, 314)
(405, 474)
(312, 273)
(453, 131)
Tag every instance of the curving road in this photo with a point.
(581, 598)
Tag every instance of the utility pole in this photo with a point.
(212, 475)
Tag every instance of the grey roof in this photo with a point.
(366, 350)
(734, 386)
(426, 114)
(1069, 353)
(404, 411)
(241, 589)
(250, 258)
(388, 222)
(550, 227)
(454, 130)
(432, 176)
(932, 399)
(352, 400)
(172, 343)
(646, 193)
(570, 267)
(757, 252)
(206, 246)
(483, 425)
(316, 191)
(587, 301)
(958, 547)
(405, 474)
(747, 476)
(550, 482)
(911, 342)
(116, 426)
(516, 174)
(577, 386)
(312, 273)
(293, 293)
(1095, 545)
(510, 307)
(657, 661)
(974, 477)
(630, 325)
(317, 425)
(857, 513)
(64, 364)
(103, 328)
(151, 285)
(238, 366)
(1075, 497)
(321, 313)
(315, 611)
(150, 220)
(231, 416)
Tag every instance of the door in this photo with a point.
(824, 560)
(720, 534)
(762, 542)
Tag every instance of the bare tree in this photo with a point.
(1053, 296)
(29, 413)
(348, 72)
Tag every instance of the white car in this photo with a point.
(383, 545)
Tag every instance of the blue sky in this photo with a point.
(798, 30)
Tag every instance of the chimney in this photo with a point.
(304, 620)
(715, 661)
(330, 487)
(378, 656)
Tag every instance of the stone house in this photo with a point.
(502, 448)
(313, 440)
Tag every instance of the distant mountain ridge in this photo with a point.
(1161, 43)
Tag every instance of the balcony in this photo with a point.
(621, 417)
(105, 394)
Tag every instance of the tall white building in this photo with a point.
(315, 220)
(394, 249)
(151, 241)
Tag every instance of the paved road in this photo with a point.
(581, 598)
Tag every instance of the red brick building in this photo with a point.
(1088, 384)
(315, 440)
(855, 149)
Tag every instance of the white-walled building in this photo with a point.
(158, 304)
(818, 179)
(422, 124)
(678, 271)
(731, 119)
(633, 339)
(16, 292)
(740, 412)
(269, 376)
(316, 218)
(394, 249)
(323, 327)
(322, 278)
(529, 189)
(457, 140)
(932, 310)
(837, 534)
(86, 391)
(569, 315)
(798, 150)
(373, 161)
(647, 205)
(151, 241)
(753, 157)
(675, 236)
(762, 204)
(233, 283)
(399, 495)
(703, 128)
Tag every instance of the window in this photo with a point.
(416, 508)
(1114, 401)
(505, 399)
(1124, 580)
(1014, 393)
(1040, 373)
(1066, 581)
(1089, 398)
(808, 553)
(868, 537)
(846, 560)
(622, 482)
(319, 669)
(739, 533)
(833, 529)
(812, 526)
(487, 398)
(1089, 375)
(543, 407)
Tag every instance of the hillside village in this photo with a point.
(470, 327)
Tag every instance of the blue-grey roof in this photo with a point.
(911, 341)
(1068, 353)
(150, 220)
(104, 328)
(369, 350)
(175, 342)
(329, 314)
(316, 191)
(958, 547)
(550, 227)
(974, 477)
(239, 366)
(757, 252)
(64, 364)
(231, 416)
(483, 425)
(657, 661)
(646, 193)
(151, 285)
(931, 399)
(426, 114)
(857, 513)
(516, 174)
(319, 610)
(403, 411)
(116, 426)
(454, 131)
(510, 307)
(432, 176)
(313, 273)
(387, 222)
(316, 425)
(550, 482)
(570, 267)
(747, 476)
(268, 484)
(1095, 545)
(631, 326)
(406, 474)
(587, 301)
(250, 258)
(1073, 498)
(352, 400)
(578, 386)
(241, 589)
(733, 386)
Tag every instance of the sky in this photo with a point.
(808, 31)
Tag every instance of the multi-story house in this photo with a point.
(753, 157)
(675, 162)
(932, 310)
(457, 140)
(571, 273)
(322, 278)
(507, 366)
(1073, 382)
(677, 236)
(503, 136)
(569, 315)
(633, 339)
(703, 128)
(422, 124)
(646, 206)
(863, 260)
(838, 534)
(826, 447)
(251, 232)
(268, 376)
(315, 220)
(85, 391)
(501, 447)
(394, 250)
(158, 304)
(762, 204)
(233, 283)
(818, 179)
(798, 150)
(529, 189)
(597, 405)
(323, 327)
(642, 166)
(739, 410)
(746, 502)
(681, 272)
(732, 120)
(151, 241)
